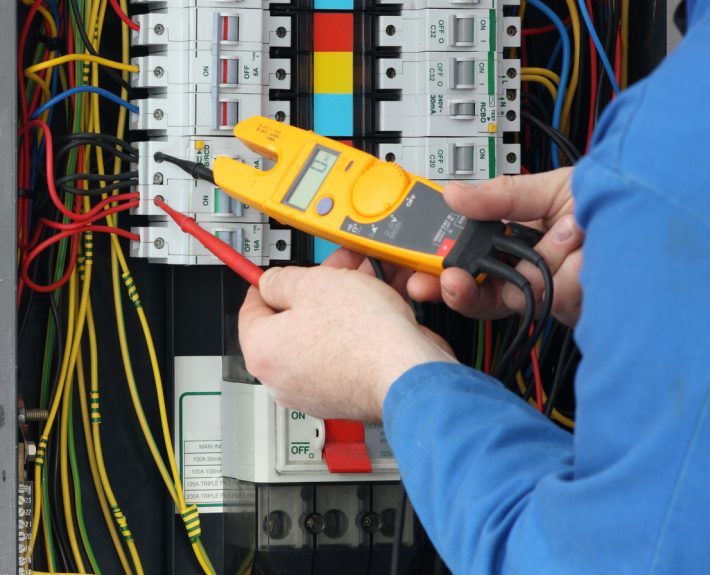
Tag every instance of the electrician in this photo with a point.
(498, 487)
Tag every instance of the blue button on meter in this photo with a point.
(324, 206)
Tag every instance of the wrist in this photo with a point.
(399, 362)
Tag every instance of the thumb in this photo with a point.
(526, 198)
(278, 286)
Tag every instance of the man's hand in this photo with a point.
(330, 341)
(543, 201)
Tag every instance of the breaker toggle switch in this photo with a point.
(464, 27)
(345, 450)
(235, 238)
(228, 71)
(463, 158)
(226, 205)
(227, 114)
(227, 28)
(463, 110)
(464, 73)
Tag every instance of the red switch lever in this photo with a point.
(345, 450)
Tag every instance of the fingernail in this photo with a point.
(563, 230)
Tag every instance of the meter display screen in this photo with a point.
(311, 178)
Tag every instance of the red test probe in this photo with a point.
(221, 250)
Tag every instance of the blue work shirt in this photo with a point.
(498, 487)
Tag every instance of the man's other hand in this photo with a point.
(543, 201)
(331, 340)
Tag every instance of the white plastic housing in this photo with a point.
(478, 158)
(166, 243)
(446, 30)
(180, 190)
(265, 443)
(449, 115)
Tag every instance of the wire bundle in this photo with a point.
(574, 57)
(72, 188)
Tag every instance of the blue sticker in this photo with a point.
(333, 114)
(334, 4)
(322, 249)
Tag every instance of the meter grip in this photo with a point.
(477, 241)
(474, 244)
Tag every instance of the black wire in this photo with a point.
(88, 45)
(557, 381)
(536, 105)
(534, 101)
(525, 252)
(377, 268)
(509, 331)
(108, 147)
(122, 176)
(563, 143)
(398, 533)
(546, 347)
(101, 190)
(496, 268)
(98, 137)
(580, 115)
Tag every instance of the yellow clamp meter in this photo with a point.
(341, 194)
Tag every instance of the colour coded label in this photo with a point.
(333, 114)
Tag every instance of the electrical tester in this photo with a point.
(347, 196)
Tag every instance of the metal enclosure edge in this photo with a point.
(8, 266)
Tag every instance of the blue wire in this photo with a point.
(600, 49)
(564, 76)
(55, 12)
(79, 89)
(554, 55)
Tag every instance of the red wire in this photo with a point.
(593, 78)
(44, 222)
(122, 15)
(543, 29)
(57, 238)
(536, 375)
(487, 342)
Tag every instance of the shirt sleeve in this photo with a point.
(501, 490)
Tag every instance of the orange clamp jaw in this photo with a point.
(344, 195)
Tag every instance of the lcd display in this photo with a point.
(311, 177)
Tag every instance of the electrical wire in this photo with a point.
(537, 71)
(624, 44)
(543, 81)
(80, 58)
(537, 376)
(76, 13)
(600, 48)
(566, 147)
(122, 15)
(81, 90)
(377, 268)
(564, 76)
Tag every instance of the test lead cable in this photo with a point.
(221, 250)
